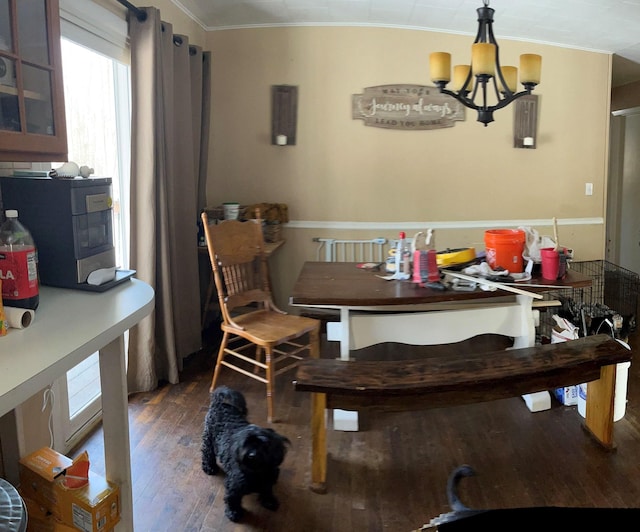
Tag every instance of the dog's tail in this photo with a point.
(452, 486)
(459, 510)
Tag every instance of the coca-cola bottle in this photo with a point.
(18, 264)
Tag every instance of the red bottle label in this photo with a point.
(19, 274)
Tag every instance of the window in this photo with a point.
(97, 106)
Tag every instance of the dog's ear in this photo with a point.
(227, 396)
(282, 438)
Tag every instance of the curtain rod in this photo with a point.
(140, 14)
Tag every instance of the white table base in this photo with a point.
(359, 327)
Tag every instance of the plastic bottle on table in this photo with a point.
(433, 275)
(398, 255)
(18, 264)
(402, 258)
(406, 256)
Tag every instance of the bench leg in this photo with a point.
(600, 404)
(318, 443)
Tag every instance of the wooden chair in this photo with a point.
(250, 318)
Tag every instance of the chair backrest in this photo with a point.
(236, 251)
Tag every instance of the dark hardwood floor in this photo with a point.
(390, 476)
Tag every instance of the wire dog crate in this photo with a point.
(614, 290)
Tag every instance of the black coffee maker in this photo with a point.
(70, 221)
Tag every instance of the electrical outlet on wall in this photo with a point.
(588, 189)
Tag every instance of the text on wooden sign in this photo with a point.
(406, 107)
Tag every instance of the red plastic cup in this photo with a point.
(550, 260)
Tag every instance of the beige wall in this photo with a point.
(341, 172)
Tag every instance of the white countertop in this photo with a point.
(67, 327)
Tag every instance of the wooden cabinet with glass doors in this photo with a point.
(32, 120)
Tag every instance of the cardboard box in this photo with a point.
(95, 507)
(568, 395)
(41, 520)
(37, 476)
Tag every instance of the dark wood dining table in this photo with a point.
(338, 284)
(374, 310)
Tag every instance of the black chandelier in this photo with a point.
(485, 67)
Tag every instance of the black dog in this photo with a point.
(249, 455)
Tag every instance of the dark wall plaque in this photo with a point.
(525, 123)
(284, 113)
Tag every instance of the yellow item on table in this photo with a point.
(450, 257)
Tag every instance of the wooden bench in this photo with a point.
(444, 380)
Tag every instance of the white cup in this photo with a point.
(231, 210)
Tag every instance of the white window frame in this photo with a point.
(97, 28)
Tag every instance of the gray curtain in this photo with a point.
(170, 120)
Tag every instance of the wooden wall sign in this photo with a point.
(406, 107)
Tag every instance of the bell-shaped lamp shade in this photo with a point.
(530, 68)
(510, 75)
(483, 58)
(460, 74)
(440, 66)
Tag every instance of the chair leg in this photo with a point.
(216, 372)
(259, 352)
(270, 382)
